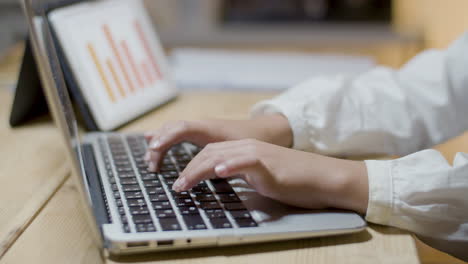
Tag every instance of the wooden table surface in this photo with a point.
(41, 220)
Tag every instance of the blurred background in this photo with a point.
(388, 32)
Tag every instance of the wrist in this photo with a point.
(352, 189)
(274, 129)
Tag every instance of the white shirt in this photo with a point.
(386, 111)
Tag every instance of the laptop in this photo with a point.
(132, 210)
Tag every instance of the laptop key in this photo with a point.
(246, 222)
(158, 197)
(152, 183)
(149, 177)
(184, 202)
(210, 205)
(221, 186)
(241, 214)
(145, 228)
(127, 181)
(180, 195)
(142, 219)
(169, 224)
(170, 182)
(121, 210)
(234, 206)
(123, 175)
(138, 210)
(228, 197)
(216, 213)
(166, 161)
(183, 158)
(126, 228)
(202, 197)
(131, 188)
(133, 195)
(155, 190)
(162, 205)
(165, 213)
(168, 167)
(169, 174)
(202, 184)
(194, 222)
(188, 210)
(136, 202)
(198, 189)
(220, 223)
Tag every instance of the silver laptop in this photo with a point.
(133, 210)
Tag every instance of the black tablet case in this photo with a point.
(29, 101)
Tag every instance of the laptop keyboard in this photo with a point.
(146, 202)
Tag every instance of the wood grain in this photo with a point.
(32, 168)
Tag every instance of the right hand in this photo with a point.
(272, 129)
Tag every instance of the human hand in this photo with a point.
(269, 128)
(294, 177)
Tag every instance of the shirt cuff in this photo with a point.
(379, 208)
(296, 122)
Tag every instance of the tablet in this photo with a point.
(116, 58)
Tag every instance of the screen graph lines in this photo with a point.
(121, 74)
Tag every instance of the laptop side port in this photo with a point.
(164, 243)
(137, 244)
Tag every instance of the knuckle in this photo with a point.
(182, 125)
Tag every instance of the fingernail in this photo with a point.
(152, 166)
(155, 144)
(220, 169)
(178, 184)
(147, 156)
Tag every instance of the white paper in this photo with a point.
(245, 70)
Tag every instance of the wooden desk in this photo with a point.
(59, 234)
(41, 221)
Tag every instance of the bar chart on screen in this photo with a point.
(116, 57)
(123, 68)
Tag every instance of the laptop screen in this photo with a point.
(55, 88)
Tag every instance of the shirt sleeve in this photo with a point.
(383, 111)
(424, 194)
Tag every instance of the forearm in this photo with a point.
(382, 111)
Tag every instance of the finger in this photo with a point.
(202, 167)
(173, 134)
(152, 158)
(210, 152)
(149, 135)
(162, 139)
(235, 166)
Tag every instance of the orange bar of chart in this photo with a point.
(147, 48)
(132, 63)
(122, 73)
(116, 77)
(113, 45)
(147, 72)
(100, 70)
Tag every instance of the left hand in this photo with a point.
(294, 177)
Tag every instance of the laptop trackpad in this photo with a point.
(269, 212)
